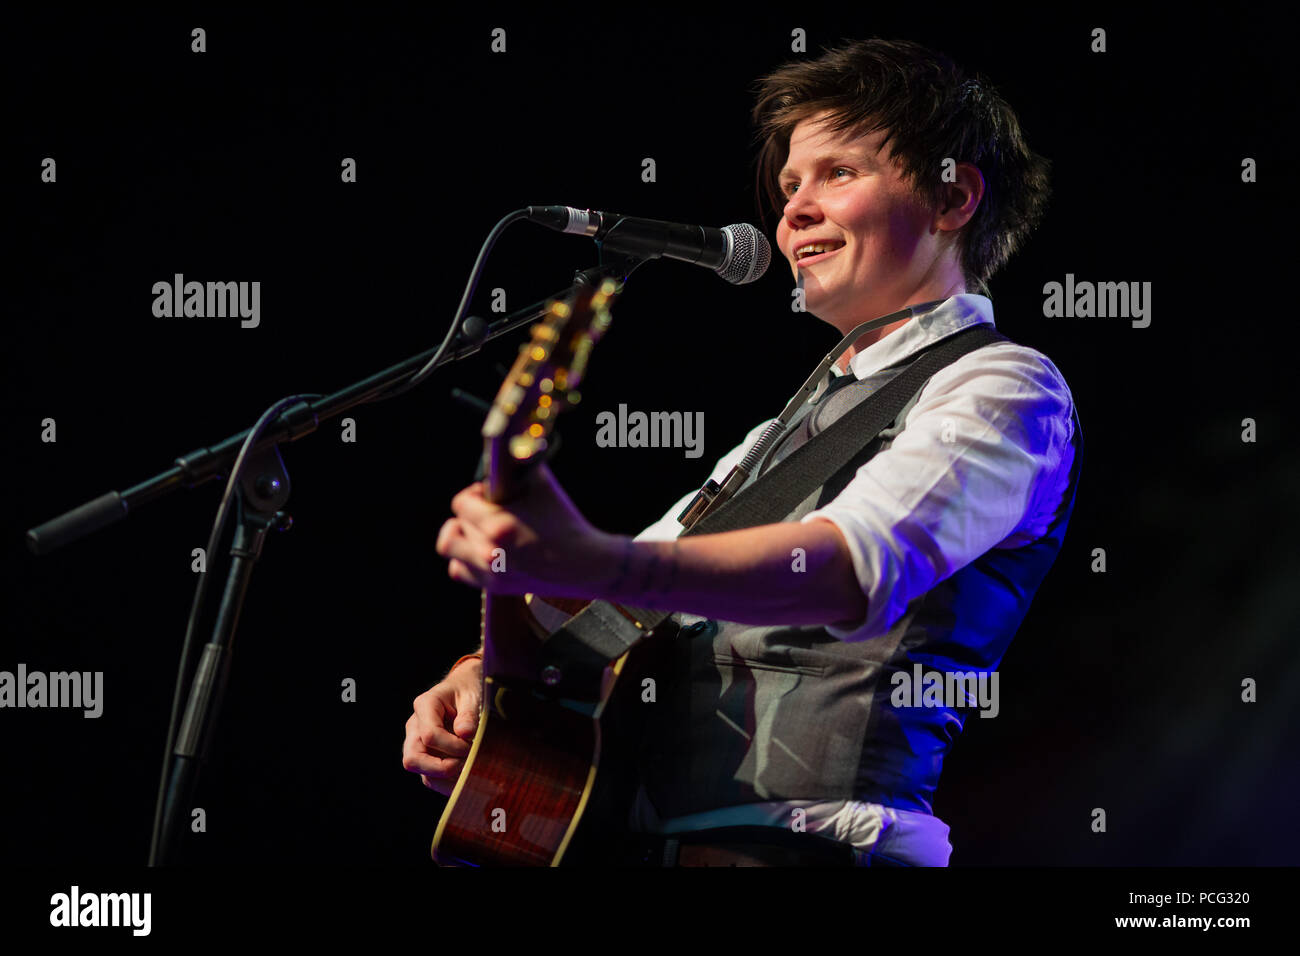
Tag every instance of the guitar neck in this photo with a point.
(542, 382)
(503, 477)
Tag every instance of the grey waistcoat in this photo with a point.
(748, 714)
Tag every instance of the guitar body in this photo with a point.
(531, 773)
(529, 777)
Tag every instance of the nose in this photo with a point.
(802, 209)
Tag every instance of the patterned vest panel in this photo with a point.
(748, 714)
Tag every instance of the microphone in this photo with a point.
(739, 253)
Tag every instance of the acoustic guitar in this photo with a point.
(532, 768)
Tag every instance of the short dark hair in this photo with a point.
(931, 110)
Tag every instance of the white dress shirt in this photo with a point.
(983, 461)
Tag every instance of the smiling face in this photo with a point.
(885, 249)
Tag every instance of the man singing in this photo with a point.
(790, 724)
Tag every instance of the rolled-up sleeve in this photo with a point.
(982, 461)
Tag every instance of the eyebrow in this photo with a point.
(859, 156)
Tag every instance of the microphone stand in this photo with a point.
(206, 464)
(261, 495)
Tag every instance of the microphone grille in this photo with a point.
(749, 256)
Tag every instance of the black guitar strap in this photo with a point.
(576, 655)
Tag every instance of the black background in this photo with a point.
(1122, 689)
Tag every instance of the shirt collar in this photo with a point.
(957, 312)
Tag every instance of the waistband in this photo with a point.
(740, 846)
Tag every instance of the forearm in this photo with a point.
(788, 573)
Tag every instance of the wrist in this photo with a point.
(595, 570)
(475, 656)
(643, 572)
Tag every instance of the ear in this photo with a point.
(960, 198)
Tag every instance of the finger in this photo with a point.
(417, 758)
(450, 532)
(431, 765)
(441, 742)
(414, 757)
(460, 540)
(472, 499)
(467, 706)
(441, 768)
(426, 730)
(488, 519)
(462, 572)
(417, 762)
(432, 708)
(443, 785)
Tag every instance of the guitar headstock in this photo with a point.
(542, 383)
